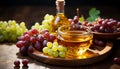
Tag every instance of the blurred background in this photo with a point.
(68, 2)
(31, 11)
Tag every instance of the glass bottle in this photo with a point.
(60, 18)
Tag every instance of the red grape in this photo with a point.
(33, 39)
(46, 35)
(34, 31)
(23, 50)
(38, 46)
(17, 63)
(102, 29)
(27, 37)
(19, 44)
(52, 37)
(40, 38)
(25, 62)
(117, 60)
(75, 19)
(30, 48)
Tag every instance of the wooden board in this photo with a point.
(98, 55)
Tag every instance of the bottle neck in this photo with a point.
(60, 6)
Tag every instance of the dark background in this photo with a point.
(68, 2)
(31, 11)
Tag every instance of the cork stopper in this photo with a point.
(60, 4)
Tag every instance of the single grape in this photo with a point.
(17, 63)
(23, 50)
(54, 48)
(117, 60)
(75, 19)
(34, 31)
(55, 54)
(38, 46)
(40, 38)
(60, 48)
(30, 48)
(44, 43)
(51, 38)
(49, 44)
(50, 52)
(19, 44)
(26, 37)
(33, 39)
(45, 49)
(55, 43)
(62, 54)
(25, 62)
(46, 35)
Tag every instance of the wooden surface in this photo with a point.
(28, 14)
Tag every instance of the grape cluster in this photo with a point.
(106, 26)
(34, 39)
(55, 50)
(45, 23)
(9, 31)
(74, 23)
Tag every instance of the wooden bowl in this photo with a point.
(107, 36)
(98, 55)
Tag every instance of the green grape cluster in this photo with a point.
(55, 50)
(9, 31)
(45, 23)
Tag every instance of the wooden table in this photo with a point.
(29, 14)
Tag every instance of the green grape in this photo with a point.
(54, 48)
(45, 22)
(46, 17)
(49, 44)
(62, 54)
(50, 52)
(55, 54)
(55, 43)
(37, 24)
(22, 24)
(45, 49)
(60, 48)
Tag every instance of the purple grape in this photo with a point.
(25, 62)
(31, 48)
(51, 38)
(23, 50)
(38, 46)
(40, 38)
(45, 42)
(117, 60)
(17, 63)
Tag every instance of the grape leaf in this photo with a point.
(93, 14)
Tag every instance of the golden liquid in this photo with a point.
(76, 45)
(58, 21)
